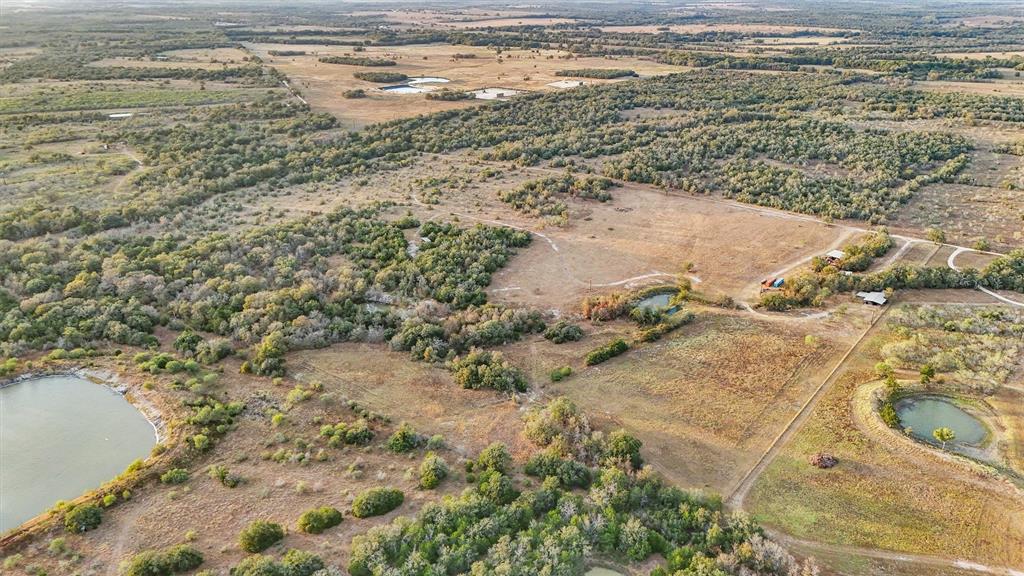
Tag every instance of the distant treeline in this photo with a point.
(357, 61)
(600, 73)
(286, 52)
(381, 77)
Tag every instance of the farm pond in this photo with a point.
(923, 414)
(655, 301)
(61, 436)
(414, 85)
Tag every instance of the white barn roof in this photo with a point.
(873, 297)
(837, 254)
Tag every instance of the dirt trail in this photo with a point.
(951, 262)
(739, 493)
(878, 554)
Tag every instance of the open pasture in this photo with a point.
(707, 400)
(323, 85)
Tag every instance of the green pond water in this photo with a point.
(656, 301)
(61, 436)
(924, 414)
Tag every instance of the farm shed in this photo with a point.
(833, 256)
(873, 298)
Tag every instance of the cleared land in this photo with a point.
(706, 400)
(955, 508)
(286, 468)
(323, 84)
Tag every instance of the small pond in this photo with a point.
(61, 436)
(428, 80)
(412, 85)
(402, 89)
(923, 414)
(656, 301)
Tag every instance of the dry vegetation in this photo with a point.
(707, 400)
(956, 508)
(527, 70)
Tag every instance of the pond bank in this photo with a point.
(110, 380)
(63, 436)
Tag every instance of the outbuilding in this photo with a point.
(873, 298)
(833, 256)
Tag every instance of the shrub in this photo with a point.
(496, 487)
(187, 342)
(433, 470)
(559, 374)
(600, 73)
(563, 331)
(357, 61)
(174, 476)
(201, 442)
(301, 563)
(319, 519)
(268, 358)
(495, 457)
(352, 94)
(610, 350)
(260, 535)
(221, 473)
(173, 560)
(483, 369)
(215, 350)
(570, 473)
(294, 563)
(405, 439)
(624, 447)
(889, 415)
(436, 442)
(358, 433)
(449, 95)
(258, 565)
(83, 518)
(376, 501)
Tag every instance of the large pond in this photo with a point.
(923, 414)
(61, 436)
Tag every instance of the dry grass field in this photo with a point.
(525, 70)
(424, 395)
(706, 400)
(643, 232)
(884, 494)
(162, 515)
(200, 58)
(888, 491)
(463, 18)
(1000, 87)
